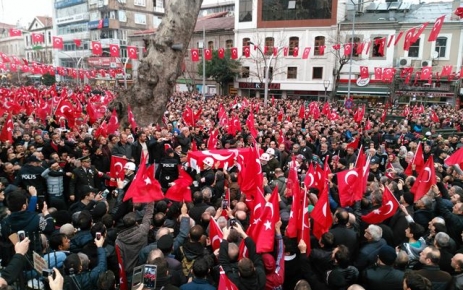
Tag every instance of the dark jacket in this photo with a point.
(255, 281)
(347, 237)
(31, 175)
(383, 277)
(11, 272)
(26, 221)
(368, 254)
(122, 150)
(87, 280)
(80, 240)
(440, 280)
(198, 284)
(184, 141)
(453, 221)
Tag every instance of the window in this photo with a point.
(292, 72)
(112, 14)
(441, 45)
(140, 18)
(245, 11)
(139, 3)
(210, 45)
(269, 42)
(293, 42)
(283, 10)
(156, 21)
(379, 46)
(317, 73)
(355, 44)
(319, 41)
(245, 71)
(414, 50)
(27, 40)
(122, 16)
(270, 72)
(200, 46)
(245, 43)
(229, 43)
(49, 36)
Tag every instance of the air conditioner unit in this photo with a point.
(426, 62)
(405, 61)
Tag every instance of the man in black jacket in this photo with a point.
(251, 272)
(383, 276)
(167, 171)
(31, 175)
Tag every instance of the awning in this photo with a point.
(367, 90)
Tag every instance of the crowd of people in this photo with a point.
(56, 191)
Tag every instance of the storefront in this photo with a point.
(434, 92)
(364, 91)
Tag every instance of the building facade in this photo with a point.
(277, 33)
(40, 52)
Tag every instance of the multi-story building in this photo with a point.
(12, 46)
(40, 52)
(373, 21)
(105, 21)
(216, 6)
(284, 27)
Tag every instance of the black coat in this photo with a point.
(347, 237)
(383, 277)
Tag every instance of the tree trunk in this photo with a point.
(159, 70)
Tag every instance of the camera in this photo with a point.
(21, 235)
(104, 194)
(149, 276)
(48, 272)
(98, 235)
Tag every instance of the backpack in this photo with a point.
(187, 265)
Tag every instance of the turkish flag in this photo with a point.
(224, 282)
(15, 32)
(419, 32)
(246, 51)
(399, 36)
(123, 283)
(285, 51)
(188, 117)
(387, 209)
(57, 42)
(434, 117)
(436, 28)
(446, 70)
(426, 73)
(221, 53)
(321, 50)
(77, 42)
(234, 125)
(117, 168)
(275, 51)
(321, 215)
(263, 231)
(180, 190)
(333, 116)
(455, 158)
(305, 54)
(326, 109)
(132, 52)
(234, 53)
(37, 38)
(408, 38)
(194, 54)
(96, 48)
(388, 74)
(301, 111)
(208, 54)
(337, 46)
(144, 188)
(381, 43)
(359, 48)
(215, 234)
(347, 49)
(114, 50)
(4, 57)
(131, 119)
(459, 12)
(16, 60)
(378, 73)
(213, 139)
(309, 180)
(250, 122)
(364, 74)
(250, 177)
(349, 186)
(64, 109)
(418, 161)
(113, 123)
(383, 116)
(426, 178)
(13, 67)
(7, 130)
(295, 51)
(390, 40)
(304, 231)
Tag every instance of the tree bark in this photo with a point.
(159, 70)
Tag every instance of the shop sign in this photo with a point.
(258, 86)
(363, 82)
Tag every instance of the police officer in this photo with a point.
(167, 170)
(31, 175)
(84, 175)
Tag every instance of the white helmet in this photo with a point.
(130, 166)
(270, 151)
(208, 161)
(265, 157)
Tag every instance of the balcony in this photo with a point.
(105, 42)
(77, 35)
(112, 5)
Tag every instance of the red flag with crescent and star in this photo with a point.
(215, 234)
(57, 42)
(321, 215)
(117, 168)
(96, 48)
(436, 28)
(194, 54)
(132, 52)
(387, 209)
(114, 50)
(426, 178)
(7, 130)
(208, 54)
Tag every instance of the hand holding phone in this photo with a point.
(21, 235)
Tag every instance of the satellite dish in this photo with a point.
(434, 54)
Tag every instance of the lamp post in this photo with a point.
(326, 84)
(267, 70)
(351, 50)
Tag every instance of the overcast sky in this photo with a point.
(24, 11)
